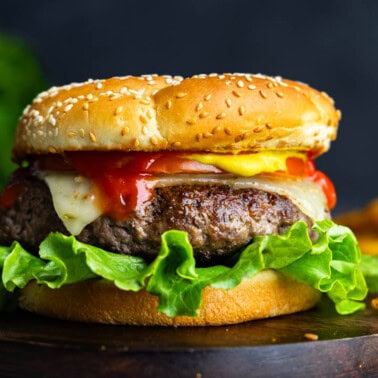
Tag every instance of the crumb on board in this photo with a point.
(374, 303)
(311, 336)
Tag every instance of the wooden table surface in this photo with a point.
(32, 345)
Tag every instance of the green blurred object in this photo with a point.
(21, 78)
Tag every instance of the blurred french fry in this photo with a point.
(364, 223)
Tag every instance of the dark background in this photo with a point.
(331, 45)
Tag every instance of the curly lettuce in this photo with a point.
(331, 264)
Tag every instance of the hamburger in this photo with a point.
(158, 200)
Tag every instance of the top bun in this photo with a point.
(217, 113)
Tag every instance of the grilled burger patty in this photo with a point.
(220, 220)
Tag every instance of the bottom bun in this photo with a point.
(267, 294)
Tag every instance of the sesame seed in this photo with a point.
(203, 115)
(216, 129)
(68, 108)
(82, 133)
(145, 101)
(220, 115)
(227, 130)
(248, 78)
(279, 94)
(52, 150)
(199, 107)
(198, 137)
(270, 85)
(71, 134)
(191, 121)
(154, 140)
(136, 142)
(236, 93)
(145, 130)
(59, 104)
(257, 129)
(98, 85)
(207, 97)
(168, 105)
(125, 131)
(118, 110)
(228, 102)
(241, 110)
(207, 135)
(176, 144)
(150, 113)
(251, 87)
(262, 94)
(90, 96)
(92, 137)
(85, 106)
(52, 120)
(240, 83)
(240, 137)
(181, 94)
(142, 118)
(268, 126)
(114, 96)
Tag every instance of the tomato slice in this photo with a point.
(298, 167)
(327, 186)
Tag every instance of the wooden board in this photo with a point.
(39, 346)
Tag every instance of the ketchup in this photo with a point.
(125, 180)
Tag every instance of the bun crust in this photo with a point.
(267, 294)
(217, 113)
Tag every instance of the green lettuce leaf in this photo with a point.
(369, 268)
(331, 264)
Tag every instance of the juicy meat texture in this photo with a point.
(220, 220)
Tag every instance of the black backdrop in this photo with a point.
(331, 45)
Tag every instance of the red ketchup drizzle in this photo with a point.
(125, 181)
(121, 185)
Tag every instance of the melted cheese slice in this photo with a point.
(73, 199)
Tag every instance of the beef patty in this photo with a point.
(219, 220)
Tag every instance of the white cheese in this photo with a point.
(73, 199)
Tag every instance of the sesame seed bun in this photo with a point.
(218, 113)
(267, 294)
